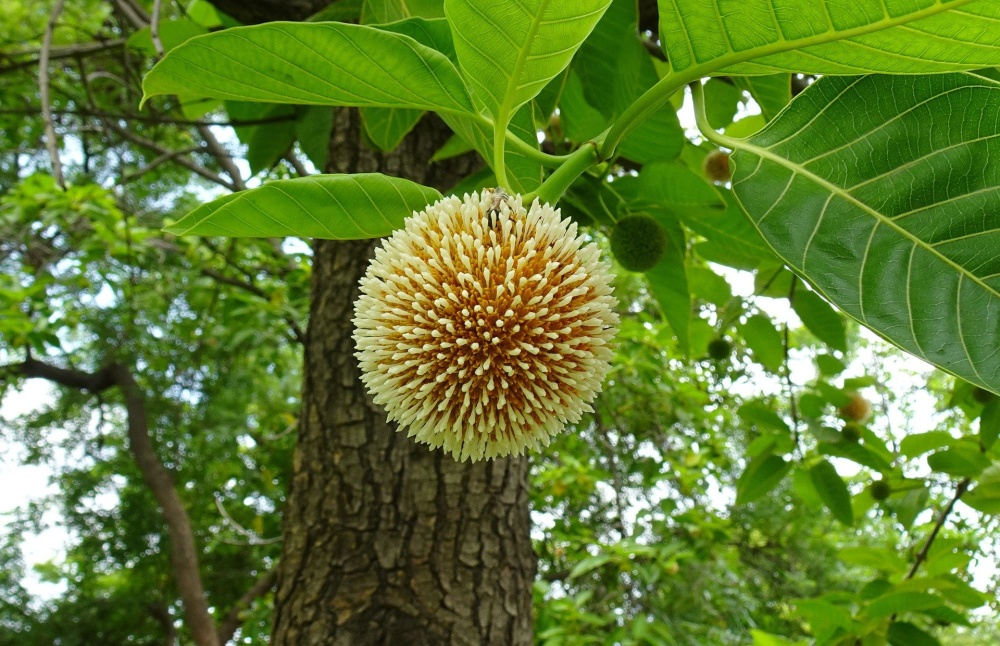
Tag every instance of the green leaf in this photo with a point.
(894, 217)
(772, 92)
(677, 187)
(386, 127)
(962, 460)
(336, 207)
(919, 443)
(312, 64)
(828, 37)
(857, 453)
(382, 11)
(765, 341)
(588, 564)
(989, 424)
(761, 475)
(510, 51)
(833, 492)
(339, 11)
(903, 633)
(820, 319)
(668, 282)
(172, 34)
(882, 560)
(900, 602)
(722, 101)
(267, 143)
(313, 132)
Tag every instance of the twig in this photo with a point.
(158, 119)
(183, 160)
(69, 51)
(298, 335)
(252, 537)
(296, 163)
(960, 490)
(43, 91)
(154, 29)
(165, 157)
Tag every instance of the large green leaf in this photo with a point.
(386, 127)
(509, 51)
(830, 36)
(885, 194)
(314, 64)
(336, 207)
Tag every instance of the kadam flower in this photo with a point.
(483, 327)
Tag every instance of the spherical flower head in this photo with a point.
(484, 327)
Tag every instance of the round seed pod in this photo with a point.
(720, 349)
(717, 167)
(880, 490)
(856, 410)
(638, 242)
(851, 432)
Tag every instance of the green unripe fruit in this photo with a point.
(638, 242)
(851, 432)
(880, 490)
(717, 168)
(720, 349)
(982, 395)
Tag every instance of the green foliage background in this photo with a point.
(706, 501)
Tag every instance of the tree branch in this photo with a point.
(297, 333)
(69, 51)
(231, 622)
(43, 92)
(183, 553)
(183, 160)
(960, 490)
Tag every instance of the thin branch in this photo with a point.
(154, 29)
(231, 622)
(158, 119)
(165, 157)
(183, 160)
(298, 335)
(252, 537)
(222, 156)
(44, 94)
(136, 18)
(69, 51)
(183, 553)
(960, 490)
(297, 164)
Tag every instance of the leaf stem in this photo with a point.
(701, 118)
(575, 165)
(643, 108)
(499, 167)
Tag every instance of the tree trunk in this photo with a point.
(386, 541)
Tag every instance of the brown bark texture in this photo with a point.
(386, 541)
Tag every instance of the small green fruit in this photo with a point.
(851, 432)
(880, 490)
(982, 395)
(720, 349)
(638, 242)
(717, 168)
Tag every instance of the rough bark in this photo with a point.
(386, 541)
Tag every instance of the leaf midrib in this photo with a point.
(507, 107)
